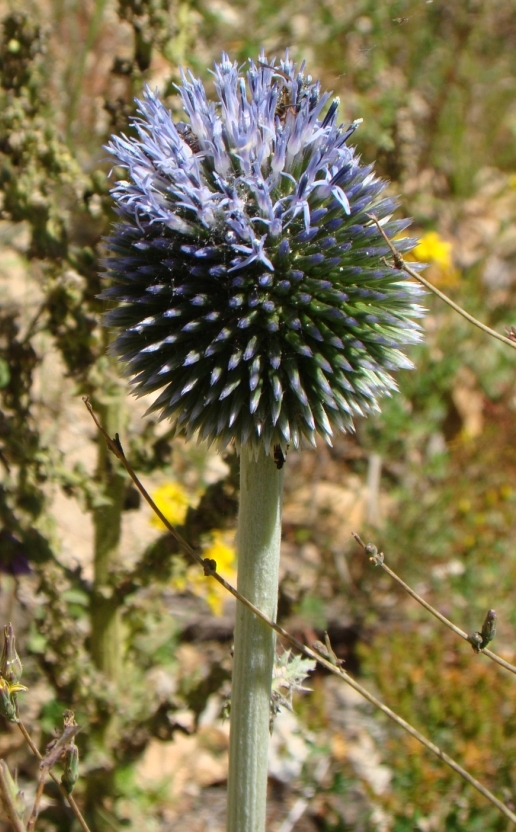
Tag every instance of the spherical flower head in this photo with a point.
(249, 282)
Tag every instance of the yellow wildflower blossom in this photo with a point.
(173, 501)
(225, 557)
(435, 251)
(7, 703)
(198, 584)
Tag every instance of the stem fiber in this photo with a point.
(258, 542)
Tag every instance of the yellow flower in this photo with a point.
(435, 251)
(173, 501)
(204, 587)
(7, 703)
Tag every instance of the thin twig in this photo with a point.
(31, 329)
(59, 746)
(68, 797)
(116, 447)
(31, 825)
(400, 264)
(7, 799)
(54, 754)
(379, 561)
(210, 566)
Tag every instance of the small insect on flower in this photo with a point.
(188, 136)
(283, 104)
(247, 280)
(279, 457)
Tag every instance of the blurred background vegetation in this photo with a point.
(112, 622)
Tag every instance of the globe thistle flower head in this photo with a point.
(248, 281)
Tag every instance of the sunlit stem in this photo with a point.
(107, 638)
(259, 535)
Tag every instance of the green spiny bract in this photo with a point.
(248, 279)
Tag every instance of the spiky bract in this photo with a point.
(249, 281)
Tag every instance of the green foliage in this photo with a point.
(435, 684)
(311, 610)
(94, 641)
(422, 75)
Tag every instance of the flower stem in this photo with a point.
(107, 638)
(259, 535)
(310, 653)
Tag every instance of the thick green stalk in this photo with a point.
(259, 535)
(107, 641)
(106, 646)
